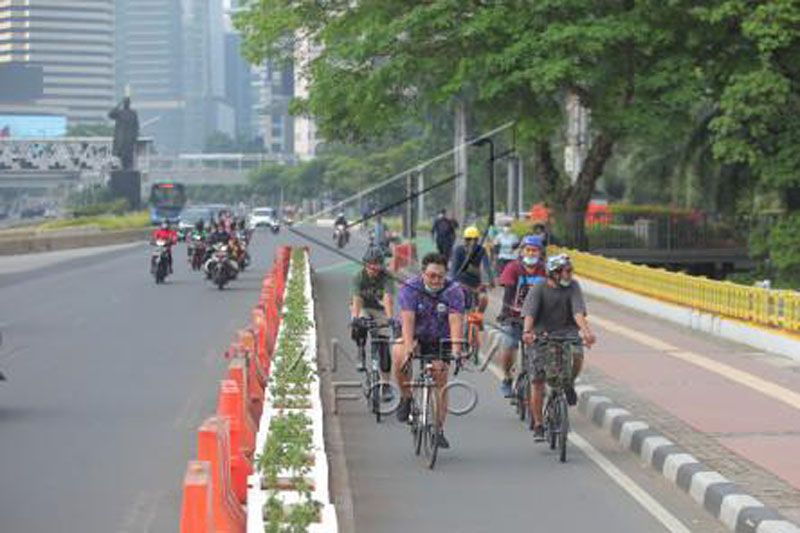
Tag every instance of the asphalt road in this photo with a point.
(109, 377)
(494, 478)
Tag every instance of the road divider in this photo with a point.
(289, 490)
(64, 240)
(215, 487)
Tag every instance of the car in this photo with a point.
(262, 216)
(191, 215)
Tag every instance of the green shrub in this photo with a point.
(784, 249)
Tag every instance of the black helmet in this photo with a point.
(373, 255)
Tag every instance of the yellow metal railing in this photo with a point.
(775, 308)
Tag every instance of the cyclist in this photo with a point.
(516, 279)
(431, 309)
(555, 308)
(468, 260)
(505, 245)
(373, 297)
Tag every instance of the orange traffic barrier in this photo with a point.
(255, 378)
(260, 326)
(213, 446)
(197, 514)
(239, 458)
(238, 372)
(247, 347)
(230, 405)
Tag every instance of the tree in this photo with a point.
(383, 61)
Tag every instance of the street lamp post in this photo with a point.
(481, 142)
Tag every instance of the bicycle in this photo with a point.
(521, 389)
(379, 354)
(558, 371)
(473, 323)
(424, 415)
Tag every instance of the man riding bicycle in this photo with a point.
(469, 261)
(373, 298)
(431, 309)
(555, 308)
(516, 279)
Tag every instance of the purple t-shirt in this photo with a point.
(432, 310)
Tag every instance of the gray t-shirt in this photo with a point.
(554, 308)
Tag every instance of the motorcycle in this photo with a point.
(240, 254)
(196, 252)
(220, 268)
(159, 261)
(274, 227)
(341, 235)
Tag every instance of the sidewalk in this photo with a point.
(735, 409)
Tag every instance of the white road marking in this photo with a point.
(667, 519)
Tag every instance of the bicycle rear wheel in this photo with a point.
(431, 429)
(563, 429)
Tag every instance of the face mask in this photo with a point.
(530, 261)
(506, 230)
(430, 290)
(565, 282)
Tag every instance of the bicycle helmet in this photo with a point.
(471, 232)
(556, 263)
(532, 240)
(373, 255)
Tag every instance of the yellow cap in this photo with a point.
(471, 232)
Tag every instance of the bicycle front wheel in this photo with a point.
(550, 417)
(431, 429)
(416, 428)
(563, 430)
(375, 395)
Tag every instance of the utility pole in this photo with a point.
(520, 188)
(421, 197)
(460, 161)
(575, 151)
(511, 185)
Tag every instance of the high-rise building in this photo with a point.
(73, 42)
(149, 59)
(275, 86)
(305, 129)
(238, 80)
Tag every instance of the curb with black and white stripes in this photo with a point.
(739, 511)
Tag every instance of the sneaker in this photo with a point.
(443, 443)
(404, 409)
(505, 388)
(361, 367)
(572, 396)
(538, 433)
(387, 395)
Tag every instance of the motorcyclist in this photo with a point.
(218, 235)
(169, 236)
(341, 224)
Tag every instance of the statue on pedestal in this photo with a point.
(126, 133)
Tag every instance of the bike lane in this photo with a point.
(494, 476)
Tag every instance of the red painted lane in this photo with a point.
(703, 399)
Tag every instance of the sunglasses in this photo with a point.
(434, 275)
